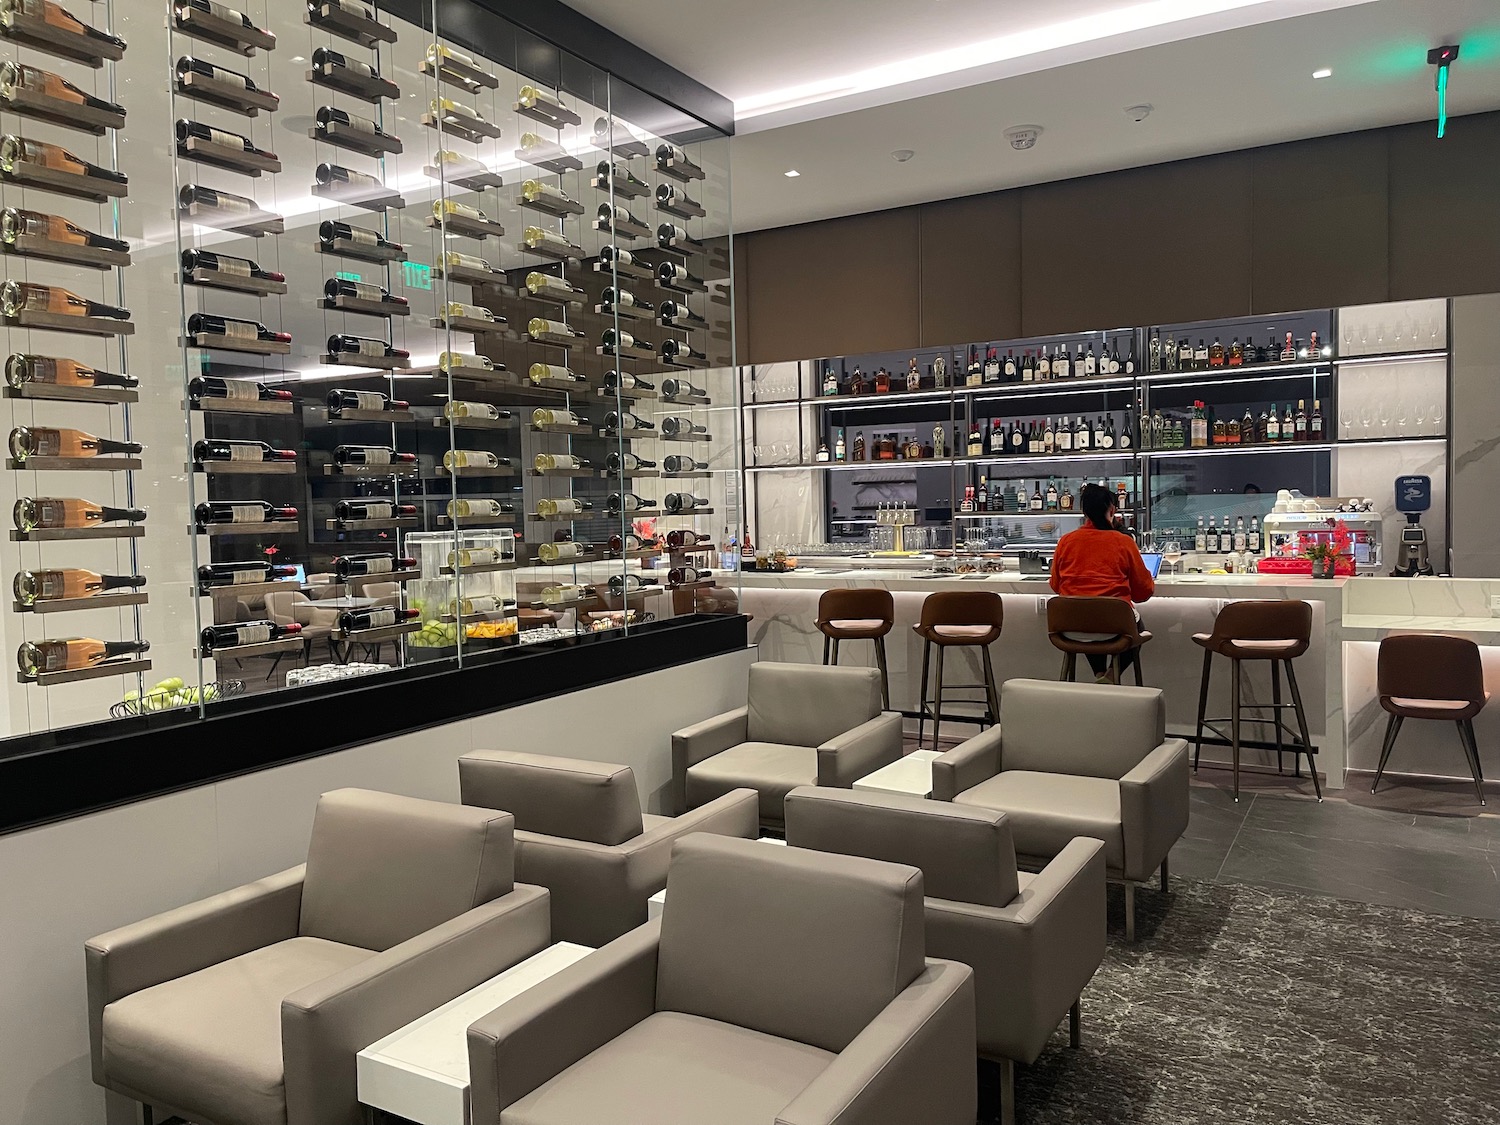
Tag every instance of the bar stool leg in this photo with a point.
(1114, 669)
(1139, 675)
(1471, 748)
(885, 676)
(922, 698)
(1312, 766)
(1234, 720)
(937, 698)
(991, 696)
(1276, 712)
(1392, 728)
(827, 647)
(835, 650)
(1067, 669)
(1208, 667)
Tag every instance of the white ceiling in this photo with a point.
(1227, 90)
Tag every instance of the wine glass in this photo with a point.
(1436, 410)
(1421, 417)
(1346, 421)
(1348, 335)
(1385, 417)
(1171, 553)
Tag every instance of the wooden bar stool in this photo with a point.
(959, 619)
(1427, 676)
(1254, 630)
(857, 615)
(1094, 627)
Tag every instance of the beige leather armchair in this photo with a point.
(248, 1008)
(779, 987)
(581, 834)
(1078, 760)
(804, 725)
(1033, 941)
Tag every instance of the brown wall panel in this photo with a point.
(971, 268)
(1320, 223)
(1445, 208)
(742, 288)
(1169, 242)
(846, 285)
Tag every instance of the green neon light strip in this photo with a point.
(1442, 91)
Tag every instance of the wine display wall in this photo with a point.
(435, 325)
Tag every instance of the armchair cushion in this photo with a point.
(1047, 810)
(796, 944)
(966, 765)
(803, 705)
(1092, 730)
(210, 1042)
(773, 770)
(676, 1069)
(382, 868)
(592, 801)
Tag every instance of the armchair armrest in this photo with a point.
(1154, 807)
(700, 741)
(535, 1037)
(326, 1024)
(914, 1062)
(736, 813)
(966, 765)
(847, 757)
(182, 941)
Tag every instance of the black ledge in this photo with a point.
(65, 773)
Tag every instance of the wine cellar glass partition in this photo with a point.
(445, 369)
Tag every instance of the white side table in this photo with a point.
(658, 901)
(911, 775)
(421, 1072)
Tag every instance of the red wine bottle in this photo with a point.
(340, 400)
(371, 455)
(358, 620)
(357, 566)
(221, 450)
(238, 390)
(244, 633)
(239, 573)
(352, 511)
(242, 511)
(226, 263)
(205, 325)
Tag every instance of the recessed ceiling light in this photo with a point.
(1324, 73)
(791, 173)
(298, 58)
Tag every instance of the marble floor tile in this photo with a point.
(1339, 820)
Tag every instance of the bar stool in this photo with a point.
(1254, 630)
(1426, 676)
(857, 615)
(1094, 627)
(959, 619)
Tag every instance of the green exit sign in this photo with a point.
(345, 275)
(416, 275)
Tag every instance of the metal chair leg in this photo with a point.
(922, 699)
(1139, 674)
(1114, 669)
(1276, 714)
(991, 693)
(1312, 766)
(1234, 721)
(835, 650)
(1471, 748)
(937, 699)
(1063, 672)
(1129, 910)
(1208, 667)
(827, 647)
(1007, 1092)
(1392, 728)
(1075, 1024)
(885, 676)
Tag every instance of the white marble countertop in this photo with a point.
(917, 578)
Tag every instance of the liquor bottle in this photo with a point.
(479, 509)
(670, 236)
(236, 142)
(1301, 421)
(1288, 352)
(1090, 363)
(1037, 504)
(72, 654)
(359, 620)
(822, 455)
(1211, 539)
(1216, 354)
(1288, 425)
(336, 287)
(626, 422)
(1218, 431)
(967, 503)
(613, 340)
(565, 594)
(982, 496)
(565, 551)
(371, 455)
(678, 464)
(562, 507)
(997, 437)
(839, 448)
(363, 566)
(242, 511)
(1236, 355)
(1316, 350)
(830, 383)
(18, 150)
(975, 445)
(1240, 539)
(687, 575)
(203, 68)
(612, 214)
(677, 503)
(627, 462)
(479, 606)
(618, 502)
(669, 156)
(1122, 497)
(1252, 538)
(32, 586)
(1315, 422)
(201, 387)
(1129, 366)
(913, 375)
(197, 195)
(1200, 427)
(1011, 371)
(1128, 438)
(21, 369)
(670, 197)
(18, 297)
(974, 373)
(554, 373)
(1065, 503)
(218, 575)
(329, 117)
(1051, 499)
(1064, 438)
(49, 441)
(857, 453)
(1271, 425)
(674, 276)
(1153, 360)
(460, 310)
(1247, 428)
(201, 324)
(340, 346)
(356, 511)
(17, 222)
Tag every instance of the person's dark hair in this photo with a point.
(1096, 501)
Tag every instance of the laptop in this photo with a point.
(1152, 559)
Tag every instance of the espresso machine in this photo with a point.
(1413, 496)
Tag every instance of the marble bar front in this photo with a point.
(1337, 674)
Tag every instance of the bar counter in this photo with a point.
(1336, 675)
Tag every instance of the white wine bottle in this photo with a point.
(480, 410)
(551, 462)
(549, 508)
(553, 373)
(448, 361)
(468, 558)
(567, 551)
(457, 460)
(482, 509)
(548, 416)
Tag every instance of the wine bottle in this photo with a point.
(534, 190)
(46, 370)
(15, 223)
(358, 620)
(244, 633)
(553, 373)
(615, 339)
(341, 400)
(680, 351)
(544, 284)
(681, 388)
(535, 149)
(618, 502)
(356, 511)
(17, 297)
(242, 511)
(331, 231)
(619, 544)
(328, 116)
(553, 553)
(49, 441)
(669, 156)
(565, 593)
(549, 509)
(625, 381)
(481, 606)
(552, 462)
(678, 464)
(670, 236)
(628, 583)
(613, 296)
(614, 175)
(72, 654)
(457, 460)
(448, 110)
(483, 410)
(470, 558)
(340, 178)
(216, 575)
(678, 540)
(225, 263)
(17, 150)
(671, 198)
(681, 427)
(214, 8)
(679, 502)
(220, 449)
(616, 254)
(676, 314)
(340, 346)
(674, 276)
(32, 586)
(618, 462)
(204, 69)
(346, 567)
(19, 76)
(336, 287)
(611, 214)
(540, 326)
(450, 209)
(201, 324)
(549, 416)
(535, 237)
(237, 390)
(195, 130)
(198, 195)
(371, 455)
(449, 361)
(328, 61)
(460, 310)
(484, 509)
(51, 513)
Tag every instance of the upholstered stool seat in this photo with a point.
(959, 619)
(857, 615)
(1095, 627)
(1429, 676)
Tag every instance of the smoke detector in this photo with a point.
(1023, 137)
(902, 155)
(1138, 113)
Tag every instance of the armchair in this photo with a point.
(803, 725)
(581, 834)
(1078, 760)
(780, 987)
(248, 1008)
(1033, 941)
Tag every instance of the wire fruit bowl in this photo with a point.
(168, 700)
